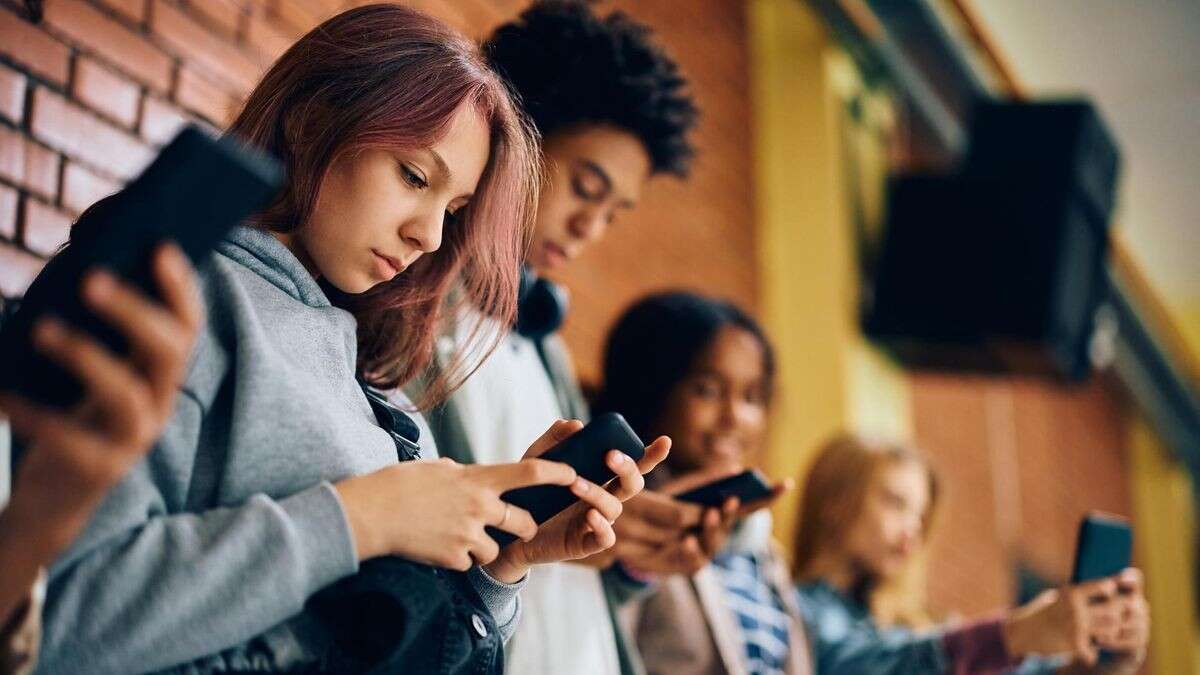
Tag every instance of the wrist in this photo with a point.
(508, 567)
(1016, 639)
(23, 552)
(365, 545)
(38, 528)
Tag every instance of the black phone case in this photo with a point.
(1104, 547)
(584, 451)
(748, 486)
(193, 193)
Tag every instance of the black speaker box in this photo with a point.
(999, 267)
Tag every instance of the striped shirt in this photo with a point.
(759, 610)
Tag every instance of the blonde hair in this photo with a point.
(834, 494)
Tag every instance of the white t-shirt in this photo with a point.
(565, 625)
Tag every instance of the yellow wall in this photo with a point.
(829, 379)
(1188, 316)
(1164, 511)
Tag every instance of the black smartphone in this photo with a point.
(1104, 547)
(193, 193)
(748, 486)
(584, 451)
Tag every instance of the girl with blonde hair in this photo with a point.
(864, 514)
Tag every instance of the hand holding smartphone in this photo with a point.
(1104, 547)
(197, 189)
(748, 486)
(583, 451)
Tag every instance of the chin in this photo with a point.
(352, 284)
(892, 569)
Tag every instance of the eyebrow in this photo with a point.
(441, 163)
(445, 170)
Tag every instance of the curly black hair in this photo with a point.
(569, 66)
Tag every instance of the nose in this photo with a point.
(588, 223)
(729, 411)
(423, 232)
(735, 411)
(912, 529)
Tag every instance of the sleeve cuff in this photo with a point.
(501, 599)
(977, 646)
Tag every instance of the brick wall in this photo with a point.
(89, 93)
(699, 234)
(1022, 461)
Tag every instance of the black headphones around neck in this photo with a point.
(541, 305)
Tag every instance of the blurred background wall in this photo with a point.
(794, 149)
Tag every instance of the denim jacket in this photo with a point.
(847, 641)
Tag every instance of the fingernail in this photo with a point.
(621, 458)
(582, 485)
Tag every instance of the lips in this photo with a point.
(388, 266)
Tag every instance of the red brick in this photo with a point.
(17, 270)
(199, 45)
(41, 170)
(203, 97)
(8, 212)
(12, 94)
(160, 120)
(105, 92)
(79, 134)
(28, 164)
(12, 155)
(33, 48)
(81, 188)
(223, 15)
(105, 36)
(134, 10)
(268, 37)
(45, 228)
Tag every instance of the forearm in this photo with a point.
(871, 654)
(20, 632)
(31, 538)
(20, 564)
(175, 588)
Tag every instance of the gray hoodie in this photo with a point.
(207, 551)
